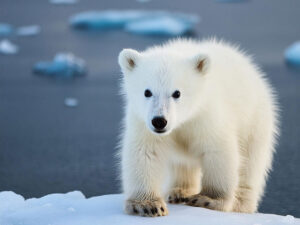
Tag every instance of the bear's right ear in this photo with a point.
(201, 63)
(128, 59)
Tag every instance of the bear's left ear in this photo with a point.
(201, 63)
(128, 59)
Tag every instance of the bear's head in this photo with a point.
(164, 89)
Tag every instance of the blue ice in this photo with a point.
(71, 102)
(63, 2)
(28, 30)
(5, 29)
(137, 21)
(105, 19)
(292, 54)
(143, 1)
(8, 48)
(231, 1)
(160, 26)
(64, 65)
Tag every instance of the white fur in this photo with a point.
(220, 133)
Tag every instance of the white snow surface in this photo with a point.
(74, 209)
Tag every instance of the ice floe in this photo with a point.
(28, 30)
(64, 65)
(137, 21)
(8, 48)
(292, 54)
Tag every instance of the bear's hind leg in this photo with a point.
(253, 172)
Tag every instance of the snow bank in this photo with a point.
(74, 209)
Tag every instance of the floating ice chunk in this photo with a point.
(143, 1)
(8, 48)
(231, 1)
(63, 2)
(292, 54)
(105, 19)
(172, 26)
(71, 102)
(64, 65)
(5, 29)
(28, 30)
(136, 21)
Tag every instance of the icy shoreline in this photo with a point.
(74, 209)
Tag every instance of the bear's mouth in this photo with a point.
(159, 131)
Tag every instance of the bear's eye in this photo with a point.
(148, 93)
(176, 94)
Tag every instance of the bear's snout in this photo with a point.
(159, 123)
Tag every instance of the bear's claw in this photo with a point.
(148, 208)
(205, 202)
(178, 195)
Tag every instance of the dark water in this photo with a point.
(46, 147)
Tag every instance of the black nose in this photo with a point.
(159, 123)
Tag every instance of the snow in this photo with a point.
(74, 209)
(64, 65)
(136, 21)
(8, 48)
(292, 54)
(288, 219)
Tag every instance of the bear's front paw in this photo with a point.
(149, 208)
(178, 195)
(206, 202)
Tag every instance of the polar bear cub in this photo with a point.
(200, 128)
